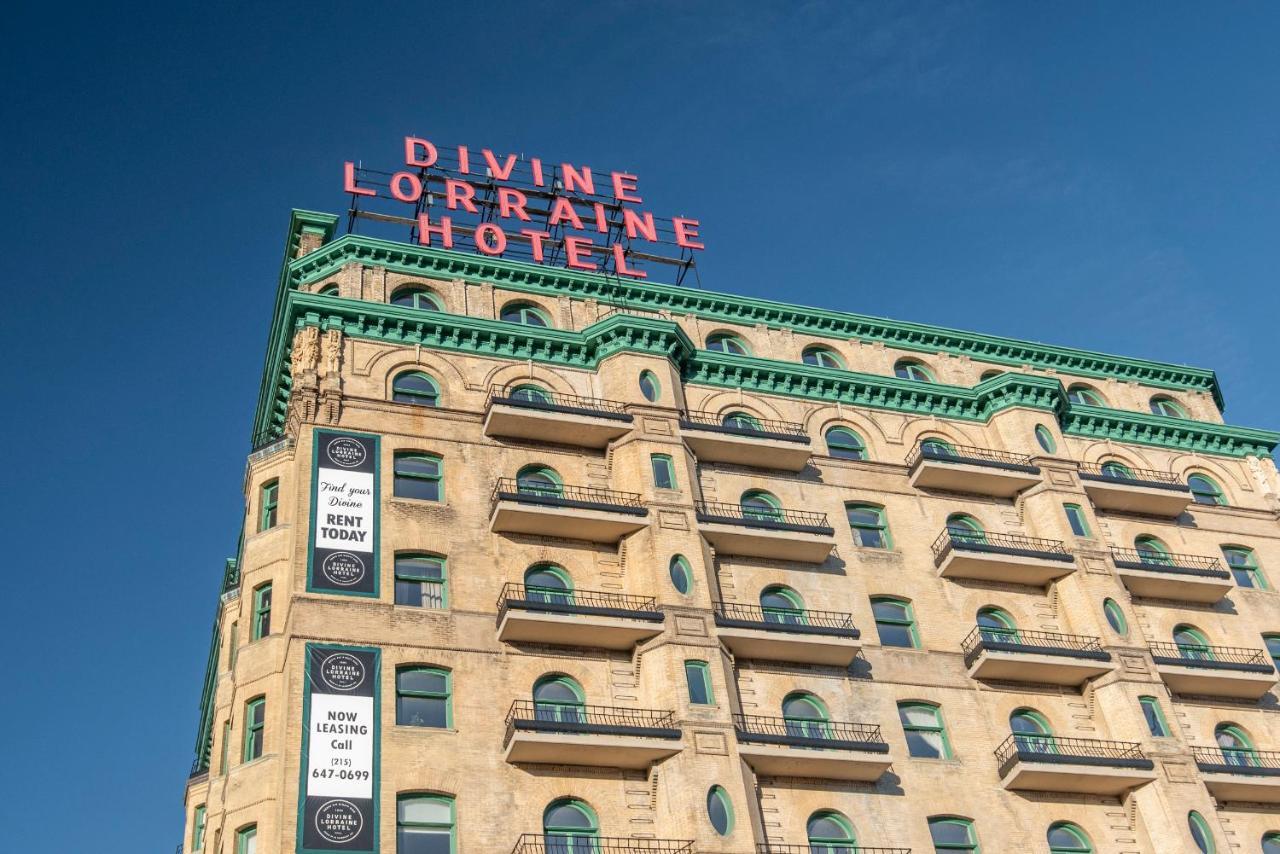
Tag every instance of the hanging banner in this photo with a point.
(344, 514)
(340, 744)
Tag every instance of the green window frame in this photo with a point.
(1154, 716)
(247, 840)
(895, 622)
(804, 715)
(418, 476)
(1115, 617)
(261, 611)
(964, 528)
(937, 448)
(681, 574)
(421, 819)
(870, 526)
(1200, 833)
(1271, 842)
(650, 386)
(1032, 732)
(830, 832)
(559, 698)
(1167, 406)
(524, 313)
(198, 817)
(268, 504)
(822, 357)
(727, 342)
(570, 826)
(416, 389)
(1192, 643)
(255, 729)
(549, 583)
(720, 810)
(1044, 438)
(1067, 838)
(664, 471)
(781, 604)
(697, 678)
(1087, 395)
(739, 420)
(845, 444)
(951, 833)
(329, 290)
(530, 392)
(1206, 491)
(761, 505)
(910, 369)
(1116, 470)
(997, 626)
(424, 697)
(539, 480)
(1236, 746)
(1077, 520)
(1272, 642)
(925, 730)
(1152, 550)
(416, 296)
(421, 580)
(1243, 564)
(225, 750)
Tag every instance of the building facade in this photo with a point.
(659, 569)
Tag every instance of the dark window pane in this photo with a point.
(423, 680)
(420, 711)
(412, 487)
(892, 635)
(427, 466)
(409, 593)
(422, 841)
(870, 538)
(926, 744)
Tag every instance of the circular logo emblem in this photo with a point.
(344, 452)
(339, 821)
(343, 568)
(342, 671)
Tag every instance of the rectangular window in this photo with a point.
(424, 825)
(261, 611)
(197, 828)
(226, 744)
(869, 525)
(422, 697)
(255, 723)
(268, 501)
(1075, 516)
(664, 471)
(420, 581)
(247, 840)
(926, 736)
(698, 677)
(419, 476)
(895, 623)
(1154, 717)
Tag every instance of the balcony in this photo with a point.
(1214, 671)
(1010, 558)
(834, 848)
(762, 443)
(1044, 658)
(587, 618)
(567, 512)
(977, 471)
(830, 750)
(599, 736)
(1084, 766)
(536, 843)
(563, 419)
(1240, 775)
(795, 535)
(1150, 493)
(1186, 578)
(804, 637)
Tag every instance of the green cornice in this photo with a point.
(1164, 432)
(532, 278)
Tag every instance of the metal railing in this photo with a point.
(972, 455)
(522, 597)
(537, 843)
(589, 720)
(1208, 567)
(556, 402)
(1135, 477)
(1212, 657)
(786, 520)
(1069, 751)
(761, 428)
(581, 497)
(959, 539)
(803, 620)
(824, 848)
(1235, 760)
(807, 732)
(1031, 642)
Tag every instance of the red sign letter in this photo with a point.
(573, 178)
(512, 202)
(444, 229)
(490, 232)
(640, 225)
(620, 264)
(502, 173)
(535, 242)
(561, 210)
(577, 253)
(349, 181)
(623, 185)
(459, 193)
(686, 231)
(415, 187)
(411, 158)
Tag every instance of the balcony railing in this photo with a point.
(1231, 760)
(972, 456)
(1135, 477)
(824, 848)
(577, 497)
(1005, 544)
(529, 716)
(1069, 751)
(833, 735)
(803, 521)
(552, 401)
(537, 843)
(761, 428)
(585, 602)
(1211, 657)
(733, 615)
(1204, 567)
(1031, 643)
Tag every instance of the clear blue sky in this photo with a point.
(1101, 175)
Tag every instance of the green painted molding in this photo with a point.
(204, 731)
(532, 278)
(1167, 432)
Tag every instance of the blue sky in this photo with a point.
(1102, 175)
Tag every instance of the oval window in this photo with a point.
(1115, 617)
(681, 576)
(720, 810)
(1045, 438)
(649, 386)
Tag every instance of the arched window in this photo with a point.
(996, 626)
(952, 834)
(727, 342)
(1162, 405)
(540, 481)
(1271, 842)
(1115, 617)
(1154, 717)
(1200, 834)
(424, 824)
(418, 476)
(1151, 550)
(1089, 396)
(910, 369)
(720, 810)
(895, 622)
(1066, 838)
(782, 605)
(1205, 490)
(1192, 643)
(422, 697)
(329, 290)
(936, 448)
(845, 444)
(1244, 567)
(821, 357)
(530, 393)
(681, 575)
(1236, 746)
(1117, 470)
(965, 529)
(570, 827)
(559, 698)
(1031, 731)
(416, 388)
(738, 420)
(830, 832)
(524, 313)
(1044, 438)
(758, 504)
(1273, 648)
(870, 526)
(416, 296)
(650, 387)
(420, 580)
(548, 583)
(925, 733)
(805, 716)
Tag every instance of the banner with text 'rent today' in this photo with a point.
(344, 514)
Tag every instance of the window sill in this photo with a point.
(425, 729)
